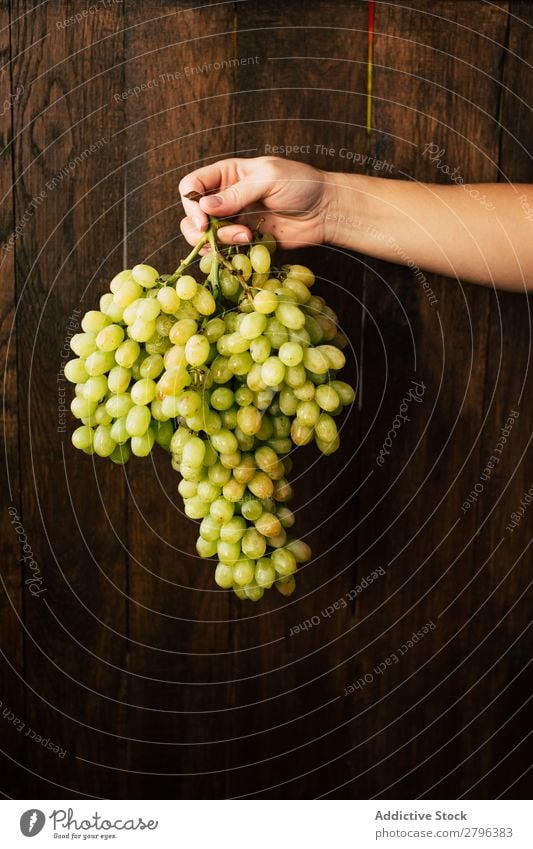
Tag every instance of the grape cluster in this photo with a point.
(226, 375)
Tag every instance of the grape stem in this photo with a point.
(208, 237)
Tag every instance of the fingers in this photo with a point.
(235, 198)
(231, 234)
(234, 234)
(204, 180)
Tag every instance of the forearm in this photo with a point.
(481, 233)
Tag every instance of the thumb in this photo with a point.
(235, 198)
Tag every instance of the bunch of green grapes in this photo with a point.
(227, 375)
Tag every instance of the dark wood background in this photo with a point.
(153, 681)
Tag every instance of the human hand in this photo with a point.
(289, 196)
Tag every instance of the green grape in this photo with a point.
(249, 420)
(103, 443)
(260, 349)
(194, 451)
(301, 551)
(221, 510)
(300, 272)
(119, 405)
(288, 402)
(305, 392)
(188, 489)
(173, 381)
(290, 316)
(148, 310)
(128, 292)
(233, 531)
(260, 258)
(138, 420)
(228, 552)
(244, 396)
(233, 490)
(253, 325)
(265, 574)
(82, 408)
(253, 544)
(236, 343)
(253, 593)
(265, 302)
(152, 366)
(83, 344)
(75, 371)
(251, 509)
(261, 485)
(197, 350)
(224, 441)
(299, 289)
(127, 353)
(286, 586)
(118, 379)
(308, 413)
(325, 428)
(209, 529)
(83, 437)
(143, 391)
(110, 337)
(291, 354)
(283, 561)
(141, 330)
(206, 548)
(240, 364)
(121, 454)
(301, 434)
(195, 508)
(95, 388)
(207, 491)
(145, 275)
(169, 300)
(224, 576)
(218, 474)
(163, 431)
(204, 302)
(327, 398)
(282, 490)
(94, 321)
(344, 391)
(119, 431)
(276, 332)
(214, 330)
(142, 445)
(243, 572)
(101, 416)
(243, 265)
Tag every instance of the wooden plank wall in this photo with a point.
(149, 681)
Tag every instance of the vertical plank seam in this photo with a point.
(364, 287)
(490, 310)
(232, 626)
(17, 381)
(127, 624)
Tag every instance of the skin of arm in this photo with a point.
(481, 233)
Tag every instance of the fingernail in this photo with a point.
(198, 223)
(214, 200)
(240, 237)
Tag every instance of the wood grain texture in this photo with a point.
(12, 696)
(153, 681)
(303, 95)
(68, 196)
(179, 622)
